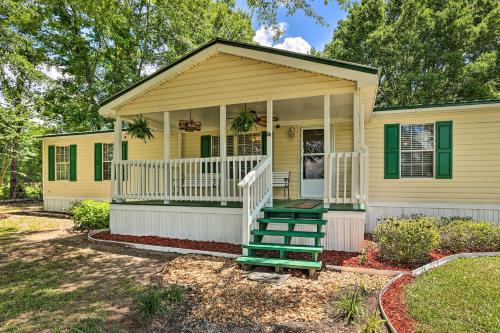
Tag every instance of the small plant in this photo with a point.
(140, 129)
(407, 241)
(362, 256)
(154, 300)
(90, 215)
(372, 323)
(92, 325)
(349, 305)
(243, 122)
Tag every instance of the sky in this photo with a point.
(301, 32)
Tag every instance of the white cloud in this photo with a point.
(295, 44)
(264, 36)
(52, 72)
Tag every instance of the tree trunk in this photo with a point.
(3, 169)
(13, 178)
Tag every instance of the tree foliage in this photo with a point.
(428, 51)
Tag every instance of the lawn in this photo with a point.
(53, 280)
(462, 296)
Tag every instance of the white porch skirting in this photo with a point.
(344, 230)
(376, 210)
(63, 204)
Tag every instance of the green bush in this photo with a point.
(465, 235)
(90, 215)
(33, 191)
(407, 241)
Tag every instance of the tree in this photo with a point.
(428, 51)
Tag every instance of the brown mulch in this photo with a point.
(395, 306)
(172, 242)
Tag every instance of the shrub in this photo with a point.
(467, 235)
(154, 299)
(373, 323)
(407, 241)
(90, 215)
(33, 191)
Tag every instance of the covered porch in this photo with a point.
(316, 142)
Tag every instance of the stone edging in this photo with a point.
(423, 269)
(159, 248)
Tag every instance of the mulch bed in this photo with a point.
(172, 242)
(395, 306)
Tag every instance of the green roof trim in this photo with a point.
(437, 105)
(54, 135)
(325, 61)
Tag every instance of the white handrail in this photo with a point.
(348, 173)
(257, 192)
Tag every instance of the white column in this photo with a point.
(117, 157)
(269, 143)
(327, 149)
(356, 121)
(223, 152)
(166, 155)
(358, 180)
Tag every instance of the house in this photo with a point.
(317, 131)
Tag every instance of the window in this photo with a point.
(249, 144)
(417, 150)
(229, 146)
(62, 163)
(107, 158)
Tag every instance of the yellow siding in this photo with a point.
(476, 160)
(85, 186)
(227, 79)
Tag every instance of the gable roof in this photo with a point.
(314, 59)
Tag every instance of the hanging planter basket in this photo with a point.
(140, 129)
(243, 122)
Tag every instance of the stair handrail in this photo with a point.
(257, 192)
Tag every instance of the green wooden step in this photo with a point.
(283, 247)
(288, 233)
(292, 221)
(317, 209)
(276, 262)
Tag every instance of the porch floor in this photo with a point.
(277, 204)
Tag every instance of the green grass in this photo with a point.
(462, 296)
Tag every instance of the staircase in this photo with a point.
(290, 217)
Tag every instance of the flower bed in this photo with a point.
(172, 242)
(395, 306)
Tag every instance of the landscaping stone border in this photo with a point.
(423, 269)
(159, 248)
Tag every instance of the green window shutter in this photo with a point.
(206, 146)
(391, 151)
(124, 150)
(52, 163)
(72, 163)
(263, 142)
(98, 162)
(444, 147)
(205, 149)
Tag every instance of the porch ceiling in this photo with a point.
(287, 110)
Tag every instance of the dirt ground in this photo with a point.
(54, 279)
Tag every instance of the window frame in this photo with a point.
(215, 147)
(103, 161)
(66, 163)
(433, 150)
(238, 144)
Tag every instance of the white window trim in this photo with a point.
(237, 141)
(433, 152)
(56, 163)
(103, 161)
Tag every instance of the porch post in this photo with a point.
(327, 151)
(223, 153)
(269, 143)
(117, 157)
(358, 173)
(356, 121)
(166, 155)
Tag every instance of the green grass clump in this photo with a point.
(461, 296)
(350, 304)
(155, 299)
(372, 323)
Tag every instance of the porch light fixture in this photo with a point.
(189, 125)
(291, 133)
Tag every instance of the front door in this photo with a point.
(312, 158)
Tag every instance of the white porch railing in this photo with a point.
(192, 179)
(257, 192)
(348, 177)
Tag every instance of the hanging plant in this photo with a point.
(243, 122)
(140, 129)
